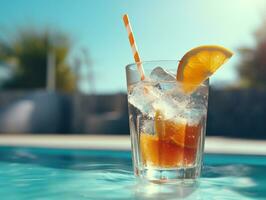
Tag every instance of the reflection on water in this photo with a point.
(151, 191)
(240, 182)
(73, 174)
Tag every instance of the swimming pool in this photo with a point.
(46, 173)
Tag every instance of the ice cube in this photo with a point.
(147, 126)
(174, 105)
(195, 116)
(194, 111)
(142, 96)
(167, 106)
(159, 74)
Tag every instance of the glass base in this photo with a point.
(186, 175)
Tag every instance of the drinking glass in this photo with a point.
(167, 124)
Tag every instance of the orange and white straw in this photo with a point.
(133, 46)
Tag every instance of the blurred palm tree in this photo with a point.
(252, 69)
(26, 56)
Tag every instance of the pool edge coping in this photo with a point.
(217, 145)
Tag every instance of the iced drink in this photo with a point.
(167, 125)
(174, 145)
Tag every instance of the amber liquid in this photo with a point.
(177, 146)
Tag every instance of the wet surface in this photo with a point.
(39, 173)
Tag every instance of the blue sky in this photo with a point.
(163, 30)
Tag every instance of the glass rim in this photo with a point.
(128, 66)
(131, 66)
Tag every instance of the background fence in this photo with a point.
(231, 113)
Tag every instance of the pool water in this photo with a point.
(42, 173)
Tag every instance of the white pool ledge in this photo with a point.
(212, 144)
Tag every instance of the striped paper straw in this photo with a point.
(133, 46)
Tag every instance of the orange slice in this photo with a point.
(176, 132)
(199, 64)
(169, 130)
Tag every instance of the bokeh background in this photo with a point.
(62, 62)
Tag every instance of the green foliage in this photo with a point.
(252, 69)
(27, 53)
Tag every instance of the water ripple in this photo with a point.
(33, 176)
